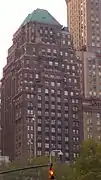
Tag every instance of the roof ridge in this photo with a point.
(41, 16)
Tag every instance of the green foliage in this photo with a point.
(87, 166)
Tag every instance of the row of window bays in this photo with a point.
(45, 106)
(31, 54)
(54, 133)
(27, 79)
(42, 33)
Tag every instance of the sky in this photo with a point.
(12, 14)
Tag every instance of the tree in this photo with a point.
(88, 165)
(40, 173)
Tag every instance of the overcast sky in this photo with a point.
(12, 14)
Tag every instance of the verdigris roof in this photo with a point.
(41, 16)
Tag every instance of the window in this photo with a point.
(98, 122)
(39, 144)
(28, 96)
(66, 115)
(54, 51)
(53, 106)
(56, 63)
(66, 139)
(67, 154)
(46, 106)
(53, 130)
(39, 153)
(59, 138)
(70, 79)
(27, 61)
(39, 128)
(51, 32)
(59, 146)
(58, 114)
(46, 113)
(32, 88)
(30, 112)
(63, 42)
(63, 65)
(58, 84)
(99, 137)
(52, 83)
(28, 136)
(46, 91)
(71, 93)
(89, 121)
(46, 145)
(75, 80)
(39, 90)
(61, 53)
(66, 93)
(31, 136)
(50, 63)
(39, 97)
(49, 50)
(36, 76)
(28, 127)
(93, 44)
(46, 83)
(52, 91)
(66, 54)
(69, 43)
(53, 122)
(39, 121)
(25, 75)
(39, 112)
(73, 67)
(68, 67)
(31, 128)
(53, 138)
(58, 92)
(58, 99)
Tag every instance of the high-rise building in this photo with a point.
(41, 97)
(90, 73)
(92, 119)
(84, 22)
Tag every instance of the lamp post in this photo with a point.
(34, 122)
(30, 150)
(0, 138)
(55, 150)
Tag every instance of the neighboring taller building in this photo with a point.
(84, 22)
(41, 97)
(90, 73)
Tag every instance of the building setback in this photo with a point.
(41, 99)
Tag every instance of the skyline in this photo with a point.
(11, 20)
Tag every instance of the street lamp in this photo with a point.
(60, 153)
(30, 149)
(34, 122)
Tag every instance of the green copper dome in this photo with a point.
(41, 16)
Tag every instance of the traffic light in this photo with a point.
(51, 172)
